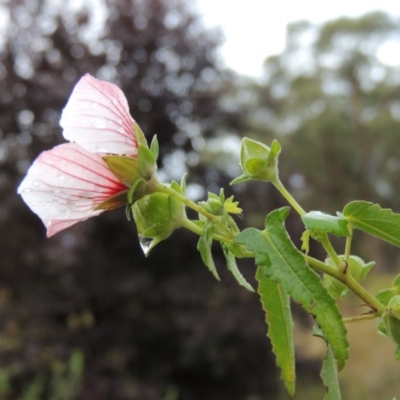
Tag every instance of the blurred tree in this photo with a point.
(142, 327)
(332, 100)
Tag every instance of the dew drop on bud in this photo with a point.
(145, 244)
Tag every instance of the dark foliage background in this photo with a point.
(84, 315)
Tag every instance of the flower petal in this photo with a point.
(66, 184)
(97, 118)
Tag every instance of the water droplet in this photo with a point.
(27, 190)
(145, 244)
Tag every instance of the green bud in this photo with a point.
(357, 268)
(391, 319)
(157, 215)
(258, 161)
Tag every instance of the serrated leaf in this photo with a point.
(283, 263)
(204, 247)
(276, 304)
(326, 223)
(371, 218)
(233, 268)
(329, 375)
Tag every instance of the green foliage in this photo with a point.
(319, 221)
(329, 375)
(284, 264)
(276, 304)
(204, 247)
(371, 218)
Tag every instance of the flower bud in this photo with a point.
(391, 319)
(258, 161)
(357, 268)
(157, 215)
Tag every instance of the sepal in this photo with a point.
(125, 169)
(258, 161)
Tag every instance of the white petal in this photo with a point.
(97, 118)
(66, 184)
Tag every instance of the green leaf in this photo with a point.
(329, 375)
(284, 264)
(204, 247)
(232, 267)
(276, 304)
(326, 223)
(371, 218)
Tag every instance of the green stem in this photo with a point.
(350, 282)
(187, 223)
(322, 267)
(291, 200)
(189, 203)
(347, 250)
(324, 239)
(363, 317)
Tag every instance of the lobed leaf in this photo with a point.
(276, 304)
(371, 218)
(280, 260)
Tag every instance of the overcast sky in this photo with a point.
(242, 20)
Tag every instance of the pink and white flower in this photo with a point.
(97, 118)
(68, 183)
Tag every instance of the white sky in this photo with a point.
(242, 20)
